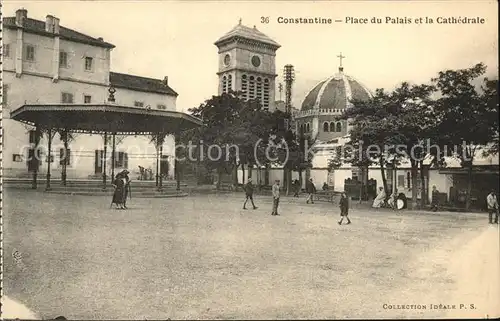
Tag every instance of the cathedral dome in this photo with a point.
(335, 93)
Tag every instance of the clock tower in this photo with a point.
(247, 64)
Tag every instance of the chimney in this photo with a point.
(165, 80)
(56, 25)
(49, 23)
(21, 15)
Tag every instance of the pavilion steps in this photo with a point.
(109, 193)
(140, 189)
(86, 183)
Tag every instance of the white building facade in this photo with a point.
(45, 63)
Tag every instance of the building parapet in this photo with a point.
(318, 112)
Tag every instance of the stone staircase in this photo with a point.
(140, 189)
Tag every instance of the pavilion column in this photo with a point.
(177, 164)
(157, 159)
(49, 156)
(104, 158)
(160, 179)
(113, 152)
(35, 157)
(395, 184)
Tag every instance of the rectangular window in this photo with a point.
(401, 181)
(66, 98)
(87, 99)
(138, 103)
(5, 93)
(30, 52)
(51, 158)
(64, 157)
(121, 159)
(162, 107)
(89, 63)
(63, 59)
(6, 50)
(18, 158)
(32, 136)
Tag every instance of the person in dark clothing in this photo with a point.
(119, 193)
(249, 194)
(435, 199)
(310, 189)
(344, 208)
(492, 203)
(297, 188)
(126, 187)
(325, 186)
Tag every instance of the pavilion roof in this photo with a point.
(95, 118)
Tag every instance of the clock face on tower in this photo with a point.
(227, 59)
(255, 61)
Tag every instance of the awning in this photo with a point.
(96, 118)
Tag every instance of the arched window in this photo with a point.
(251, 88)
(258, 93)
(224, 84)
(325, 127)
(339, 127)
(229, 83)
(266, 94)
(244, 87)
(332, 127)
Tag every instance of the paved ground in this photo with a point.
(204, 257)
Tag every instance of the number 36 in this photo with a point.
(264, 19)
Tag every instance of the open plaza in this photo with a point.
(108, 214)
(204, 257)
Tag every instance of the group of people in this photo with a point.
(310, 189)
(121, 185)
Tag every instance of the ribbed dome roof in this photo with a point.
(335, 92)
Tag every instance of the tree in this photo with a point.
(414, 122)
(234, 132)
(372, 126)
(467, 119)
(490, 98)
(394, 125)
(303, 158)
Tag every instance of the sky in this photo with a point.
(176, 39)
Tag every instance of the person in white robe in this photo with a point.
(379, 200)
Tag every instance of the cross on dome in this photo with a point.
(341, 57)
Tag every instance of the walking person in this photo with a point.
(344, 208)
(249, 194)
(311, 190)
(492, 203)
(276, 197)
(434, 199)
(126, 187)
(297, 188)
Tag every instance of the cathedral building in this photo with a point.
(247, 64)
(326, 101)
